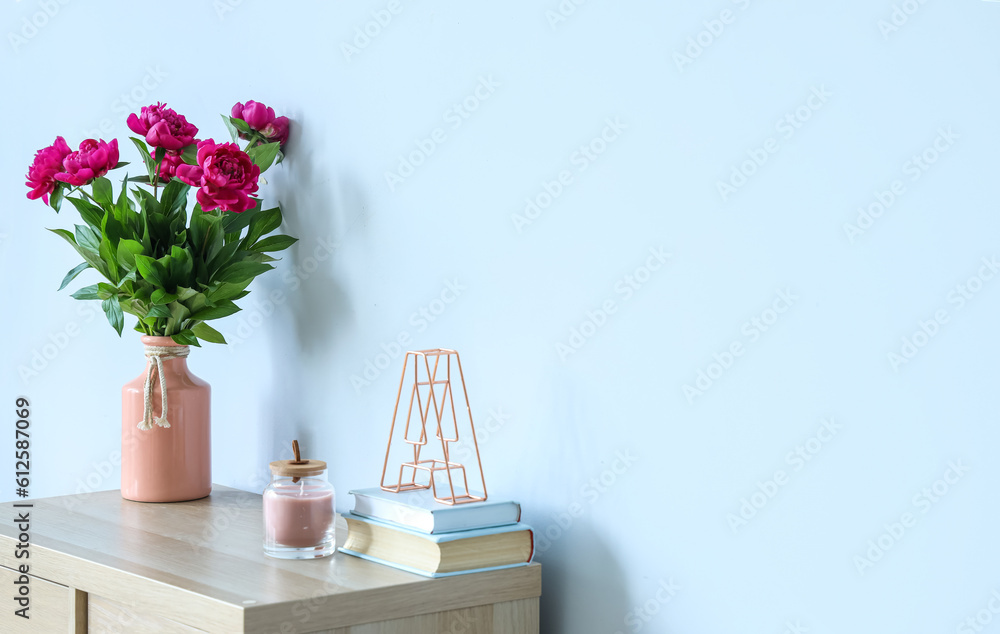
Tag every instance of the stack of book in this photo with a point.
(413, 532)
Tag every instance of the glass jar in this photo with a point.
(299, 518)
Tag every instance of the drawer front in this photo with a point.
(114, 617)
(51, 606)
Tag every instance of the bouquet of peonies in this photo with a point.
(172, 271)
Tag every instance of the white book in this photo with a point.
(419, 511)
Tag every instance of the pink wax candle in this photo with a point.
(298, 515)
(299, 518)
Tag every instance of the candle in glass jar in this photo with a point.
(299, 516)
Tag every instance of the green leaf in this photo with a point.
(102, 191)
(110, 258)
(149, 269)
(56, 197)
(174, 196)
(87, 238)
(148, 201)
(233, 222)
(160, 153)
(200, 225)
(206, 235)
(223, 257)
(146, 157)
(190, 154)
(159, 311)
(209, 334)
(178, 312)
(242, 271)
(105, 290)
(119, 164)
(73, 273)
(141, 293)
(220, 310)
(184, 293)
(127, 250)
(232, 128)
(258, 256)
(87, 292)
(141, 144)
(263, 155)
(196, 302)
(226, 291)
(91, 214)
(186, 338)
(161, 296)
(112, 229)
(274, 243)
(240, 124)
(123, 194)
(92, 258)
(262, 224)
(113, 310)
(65, 235)
(179, 253)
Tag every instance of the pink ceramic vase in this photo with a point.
(167, 464)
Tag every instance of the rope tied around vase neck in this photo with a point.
(157, 355)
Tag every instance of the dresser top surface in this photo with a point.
(212, 548)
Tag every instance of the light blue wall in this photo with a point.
(868, 99)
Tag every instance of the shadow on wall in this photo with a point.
(316, 309)
(583, 585)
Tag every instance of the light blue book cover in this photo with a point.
(420, 511)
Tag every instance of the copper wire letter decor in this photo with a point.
(432, 391)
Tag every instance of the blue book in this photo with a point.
(439, 555)
(418, 510)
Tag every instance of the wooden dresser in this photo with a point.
(102, 564)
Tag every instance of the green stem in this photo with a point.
(204, 245)
(155, 177)
(84, 192)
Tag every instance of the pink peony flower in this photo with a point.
(257, 115)
(261, 118)
(42, 171)
(93, 159)
(277, 130)
(163, 127)
(225, 177)
(168, 166)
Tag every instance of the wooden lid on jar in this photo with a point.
(297, 468)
